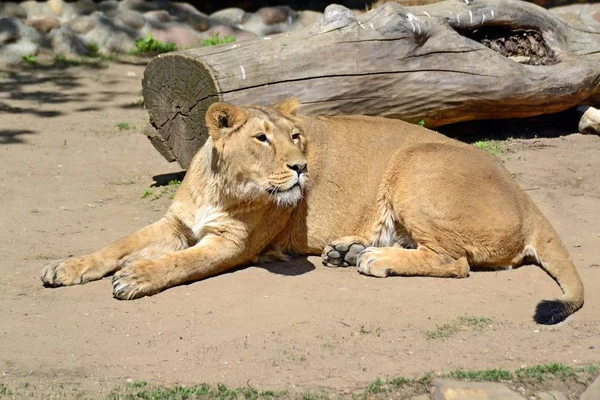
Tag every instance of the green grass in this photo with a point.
(489, 375)
(30, 59)
(460, 324)
(363, 330)
(93, 50)
(316, 395)
(124, 126)
(537, 377)
(422, 122)
(138, 384)
(170, 190)
(217, 40)
(547, 371)
(4, 390)
(149, 45)
(204, 391)
(492, 146)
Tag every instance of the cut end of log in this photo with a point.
(177, 92)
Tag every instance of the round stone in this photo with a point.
(13, 10)
(44, 24)
(132, 19)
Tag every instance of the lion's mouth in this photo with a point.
(275, 190)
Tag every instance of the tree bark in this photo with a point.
(416, 63)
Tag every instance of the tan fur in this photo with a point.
(426, 204)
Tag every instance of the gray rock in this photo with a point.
(10, 30)
(181, 35)
(551, 395)
(131, 18)
(57, 6)
(44, 24)
(277, 15)
(111, 36)
(230, 16)
(592, 392)
(188, 14)
(139, 5)
(85, 7)
(199, 23)
(160, 16)
(35, 9)
(256, 25)
(421, 397)
(446, 389)
(13, 10)
(13, 29)
(109, 7)
(82, 25)
(13, 53)
(590, 120)
(65, 41)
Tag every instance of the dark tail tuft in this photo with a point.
(550, 312)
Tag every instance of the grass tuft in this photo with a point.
(124, 126)
(204, 391)
(490, 375)
(217, 40)
(149, 45)
(30, 59)
(491, 146)
(546, 371)
(460, 324)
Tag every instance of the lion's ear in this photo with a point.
(289, 106)
(222, 118)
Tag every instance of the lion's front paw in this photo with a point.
(374, 261)
(343, 252)
(71, 271)
(138, 279)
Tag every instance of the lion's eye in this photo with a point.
(262, 138)
(296, 136)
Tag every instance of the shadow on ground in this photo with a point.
(543, 126)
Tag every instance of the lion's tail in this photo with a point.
(553, 257)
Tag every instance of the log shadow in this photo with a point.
(543, 126)
(164, 179)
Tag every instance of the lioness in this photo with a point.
(384, 195)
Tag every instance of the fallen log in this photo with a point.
(440, 63)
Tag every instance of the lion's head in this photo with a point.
(260, 152)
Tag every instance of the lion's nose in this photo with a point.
(298, 167)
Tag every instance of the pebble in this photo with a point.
(592, 392)
(551, 395)
(44, 24)
(590, 120)
(9, 9)
(82, 25)
(131, 18)
(57, 6)
(9, 30)
(447, 389)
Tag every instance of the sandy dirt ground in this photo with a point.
(71, 182)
